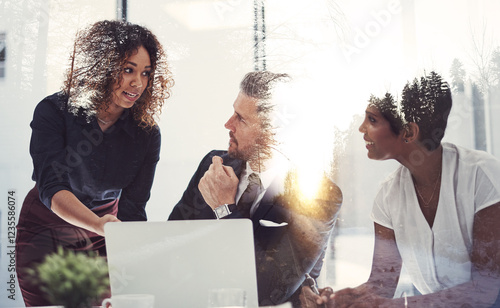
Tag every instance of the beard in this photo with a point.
(238, 152)
(259, 152)
(246, 154)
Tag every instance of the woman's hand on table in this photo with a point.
(360, 297)
(103, 220)
(309, 299)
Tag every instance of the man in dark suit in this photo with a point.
(252, 180)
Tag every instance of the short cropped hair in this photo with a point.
(426, 102)
(261, 85)
(387, 106)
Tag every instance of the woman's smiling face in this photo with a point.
(134, 81)
(381, 142)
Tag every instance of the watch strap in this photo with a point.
(224, 210)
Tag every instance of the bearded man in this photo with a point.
(252, 180)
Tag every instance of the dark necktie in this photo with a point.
(249, 195)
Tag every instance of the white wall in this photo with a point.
(209, 46)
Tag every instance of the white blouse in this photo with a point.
(439, 257)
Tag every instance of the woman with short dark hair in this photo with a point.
(437, 214)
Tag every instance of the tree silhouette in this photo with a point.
(457, 73)
(479, 117)
(495, 69)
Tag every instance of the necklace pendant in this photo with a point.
(102, 121)
(426, 204)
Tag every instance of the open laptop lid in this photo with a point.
(180, 261)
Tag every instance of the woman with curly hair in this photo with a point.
(437, 214)
(94, 145)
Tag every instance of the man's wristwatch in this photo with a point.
(224, 210)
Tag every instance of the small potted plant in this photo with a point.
(75, 280)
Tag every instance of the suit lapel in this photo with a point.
(236, 164)
(268, 208)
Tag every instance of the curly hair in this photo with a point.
(426, 102)
(100, 52)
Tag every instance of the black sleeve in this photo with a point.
(48, 149)
(296, 249)
(132, 204)
(192, 205)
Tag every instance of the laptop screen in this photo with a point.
(180, 261)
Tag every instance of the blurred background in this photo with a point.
(338, 51)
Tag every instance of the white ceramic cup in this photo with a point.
(130, 301)
(227, 297)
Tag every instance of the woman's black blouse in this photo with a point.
(70, 153)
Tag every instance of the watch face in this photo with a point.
(222, 211)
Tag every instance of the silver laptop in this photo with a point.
(180, 261)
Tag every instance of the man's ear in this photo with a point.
(410, 132)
